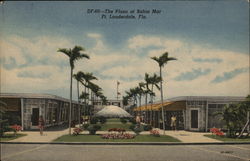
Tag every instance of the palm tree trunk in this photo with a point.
(85, 103)
(79, 106)
(70, 105)
(140, 105)
(162, 111)
(151, 109)
(146, 104)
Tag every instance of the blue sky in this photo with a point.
(210, 39)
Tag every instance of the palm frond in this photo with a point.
(77, 49)
(65, 51)
(155, 58)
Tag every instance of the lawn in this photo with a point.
(226, 139)
(107, 126)
(97, 138)
(8, 137)
(114, 123)
(113, 120)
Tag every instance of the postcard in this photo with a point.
(123, 80)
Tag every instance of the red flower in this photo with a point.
(16, 127)
(216, 131)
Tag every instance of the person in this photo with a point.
(41, 124)
(138, 119)
(173, 122)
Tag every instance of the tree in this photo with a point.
(95, 91)
(146, 90)
(139, 91)
(4, 122)
(78, 77)
(236, 116)
(154, 81)
(88, 77)
(162, 60)
(74, 55)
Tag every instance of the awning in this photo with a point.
(168, 106)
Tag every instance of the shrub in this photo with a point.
(132, 120)
(16, 128)
(123, 120)
(147, 127)
(102, 120)
(93, 128)
(85, 126)
(155, 133)
(77, 131)
(131, 127)
(4, 127)
(93, 120)
(137, 130)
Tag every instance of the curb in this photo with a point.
(128, 143)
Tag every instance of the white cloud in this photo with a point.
(117, 65)
(142, 41)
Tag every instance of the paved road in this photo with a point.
(48, 152)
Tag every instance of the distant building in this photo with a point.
(54, 109)
(194, 113)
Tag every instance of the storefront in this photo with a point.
(54, 109)
(193, 113)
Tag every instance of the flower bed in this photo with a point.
(77, 131)
(155, 133)
(16, 128)
(216, 131)
(118, 136)
(117, 133)
(120, 130)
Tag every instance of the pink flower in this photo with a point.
(117, 136)
(155, 132)
(76, 131)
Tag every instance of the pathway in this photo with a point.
(189, 137)
(183, 136)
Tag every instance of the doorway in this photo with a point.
(34, 117)
(194, 119)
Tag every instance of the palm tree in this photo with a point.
(154, 80)
(74, 55)
(87, 77)
(78, 77)
(139, 91)
(95, 91)
(132, 93)
(162, 60)
(146, 90)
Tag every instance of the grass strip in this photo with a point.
(97, 138)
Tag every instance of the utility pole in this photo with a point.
(117, 90)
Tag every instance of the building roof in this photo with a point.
(34, 95)
(208, 98)
(177, 102)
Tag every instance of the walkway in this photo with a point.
(190, 137)
(183, 136)
(34, 136)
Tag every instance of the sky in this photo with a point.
(210, 40)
